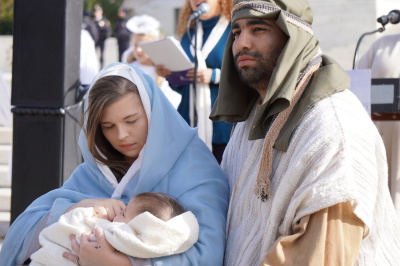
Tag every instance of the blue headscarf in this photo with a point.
(173, 161)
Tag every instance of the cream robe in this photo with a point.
(383, 58)
(335, 155)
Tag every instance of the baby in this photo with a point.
(160, 205)
(152, 225)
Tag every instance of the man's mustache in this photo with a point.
(248, 53)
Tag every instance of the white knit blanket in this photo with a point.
(335, 155)
(145, 236)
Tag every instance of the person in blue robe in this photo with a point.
(212, 31)
(173, 160)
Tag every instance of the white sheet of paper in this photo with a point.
(167, 52)
(360, 85)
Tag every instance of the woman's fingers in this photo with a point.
(85, 237)
(116, 209)
(74, 245)
(71, 257)
(98, 232)
(113, 208)
(102, 242)
(101, 212)
(162, 71)
(121, 204)
(103, 208)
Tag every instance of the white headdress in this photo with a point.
(143, 24)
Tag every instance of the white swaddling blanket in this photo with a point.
(145, 236)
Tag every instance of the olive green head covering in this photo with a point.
(236, 100)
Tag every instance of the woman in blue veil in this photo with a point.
(172, 160)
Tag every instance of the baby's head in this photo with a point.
(160, 205)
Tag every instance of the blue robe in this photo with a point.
(221, 130)
(175, 161)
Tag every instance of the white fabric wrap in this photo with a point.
(203, 97)
(335, 155)
(145, 236)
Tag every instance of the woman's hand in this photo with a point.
(103, 208)
(162, 71)
(203, 75)
(98, 252)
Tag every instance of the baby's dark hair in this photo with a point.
(161, 205)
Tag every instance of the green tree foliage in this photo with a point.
(6, 16)
(110, 9)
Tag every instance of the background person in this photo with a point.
(105, 30)
(213, 31)
(122, 33)
(130, 127)
(89, 25)
(382, 58)
(88, 63)
(305, 164)
(145, 29)
(144, 229)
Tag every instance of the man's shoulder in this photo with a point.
(340, 113)
(343, 101)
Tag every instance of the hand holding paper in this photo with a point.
(169, 52)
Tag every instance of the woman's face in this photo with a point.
(215, 8)
(124, 124)
(138, 52)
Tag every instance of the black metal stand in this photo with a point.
(360, 39)
(196, 66)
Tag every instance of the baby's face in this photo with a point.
(126, 215)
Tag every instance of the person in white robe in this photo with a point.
(145, 28)
(383, 60)
(306, 166)
(89, 64)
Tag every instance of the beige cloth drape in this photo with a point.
(331, 236)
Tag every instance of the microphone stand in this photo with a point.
(359, 41)
(196, 63)
(196, 66)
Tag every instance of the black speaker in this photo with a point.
(37, 158)
(46, 52)
(45, 85)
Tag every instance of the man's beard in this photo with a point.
(257, 77)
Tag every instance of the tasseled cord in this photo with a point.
(262, 189)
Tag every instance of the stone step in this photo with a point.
(5, 154)
(6, 135)
(5, 199)
(4, 224)
(4, 182)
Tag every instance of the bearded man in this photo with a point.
(306, 166)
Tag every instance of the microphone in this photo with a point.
(393, 17)
(203, 8)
